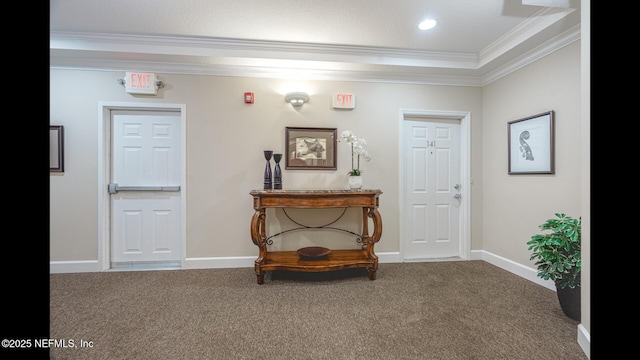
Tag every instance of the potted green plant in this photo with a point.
(557, 256)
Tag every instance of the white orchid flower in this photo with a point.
(357, 150)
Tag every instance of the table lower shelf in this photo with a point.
(336, 260)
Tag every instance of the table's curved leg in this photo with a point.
(258, 236)
(370, 241)
(374, 214)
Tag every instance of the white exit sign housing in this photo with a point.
(141, 83)
(343, 101)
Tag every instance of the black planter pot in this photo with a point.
(569, 301)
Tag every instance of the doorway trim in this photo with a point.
(104, 174)
(465, 176)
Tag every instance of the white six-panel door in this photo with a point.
(145, 186)
(431, 188)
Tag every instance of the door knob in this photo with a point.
(457, 196)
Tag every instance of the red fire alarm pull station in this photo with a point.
(248, 97)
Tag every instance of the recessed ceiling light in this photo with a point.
(427, 24)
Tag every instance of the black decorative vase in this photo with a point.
(268, 177)
(569, 301)
(277, 172)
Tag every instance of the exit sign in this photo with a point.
(343, 101)
(141, 83)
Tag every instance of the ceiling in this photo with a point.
(474, 43)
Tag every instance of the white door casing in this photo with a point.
(141, 184)
(435, 184)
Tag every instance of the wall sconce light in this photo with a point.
(297, 99)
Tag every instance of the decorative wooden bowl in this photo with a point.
(313, 253)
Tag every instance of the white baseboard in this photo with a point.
(516, 268)
(389, 257)
(77, 266)
(219, 262)
(584, 340)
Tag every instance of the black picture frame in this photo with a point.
(56, 148)
(311, 148)
(532, 144)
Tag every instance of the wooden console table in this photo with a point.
(365, 257)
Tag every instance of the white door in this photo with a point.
(431, 188)
(145, 187)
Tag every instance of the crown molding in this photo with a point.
(560, 41)
(543, 19)
(269, 59)
(70, 63)
(238, 48)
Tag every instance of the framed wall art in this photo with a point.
(310, 148)
(531, 144)
(56, 148)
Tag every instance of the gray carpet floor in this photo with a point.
(433, 310)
